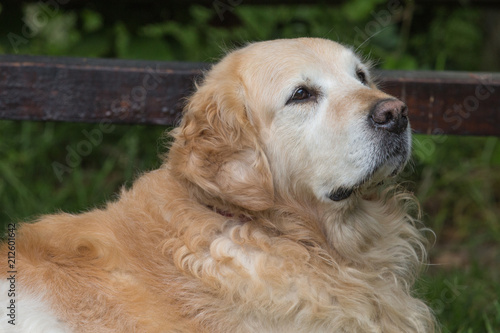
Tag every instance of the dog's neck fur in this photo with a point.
(372, 240)
(348, 231)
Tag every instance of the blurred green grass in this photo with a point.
(29, 186)
(457, 179)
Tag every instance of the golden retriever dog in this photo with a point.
(269, 214)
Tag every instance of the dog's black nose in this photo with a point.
(390, 115)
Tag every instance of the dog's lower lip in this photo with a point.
(340, 194)
(343, 193)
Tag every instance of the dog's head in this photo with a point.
(299, 116)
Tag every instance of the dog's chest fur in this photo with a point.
(275, 284)
(183, 268)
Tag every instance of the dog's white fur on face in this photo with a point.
(268, 214)
(333, 143)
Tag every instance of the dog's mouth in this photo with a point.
(341, 193)
(386, 166)
(376, 177)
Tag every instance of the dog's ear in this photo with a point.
(217, 147)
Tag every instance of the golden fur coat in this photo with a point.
(238, 230)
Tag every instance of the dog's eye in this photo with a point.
(300, 94)
(361, 76)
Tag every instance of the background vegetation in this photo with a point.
(457, 179)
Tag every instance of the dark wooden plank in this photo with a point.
(145, 92)
(93, 90)
(460, 103)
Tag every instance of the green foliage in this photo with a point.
(462, 300)
(458, 179)
(454, 38)
(29, 186)
(359, 10)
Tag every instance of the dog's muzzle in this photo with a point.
(388, 118)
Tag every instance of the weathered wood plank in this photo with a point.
(93, 90)
(461, 103)
(146, 92)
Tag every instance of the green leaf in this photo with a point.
(91, 20)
